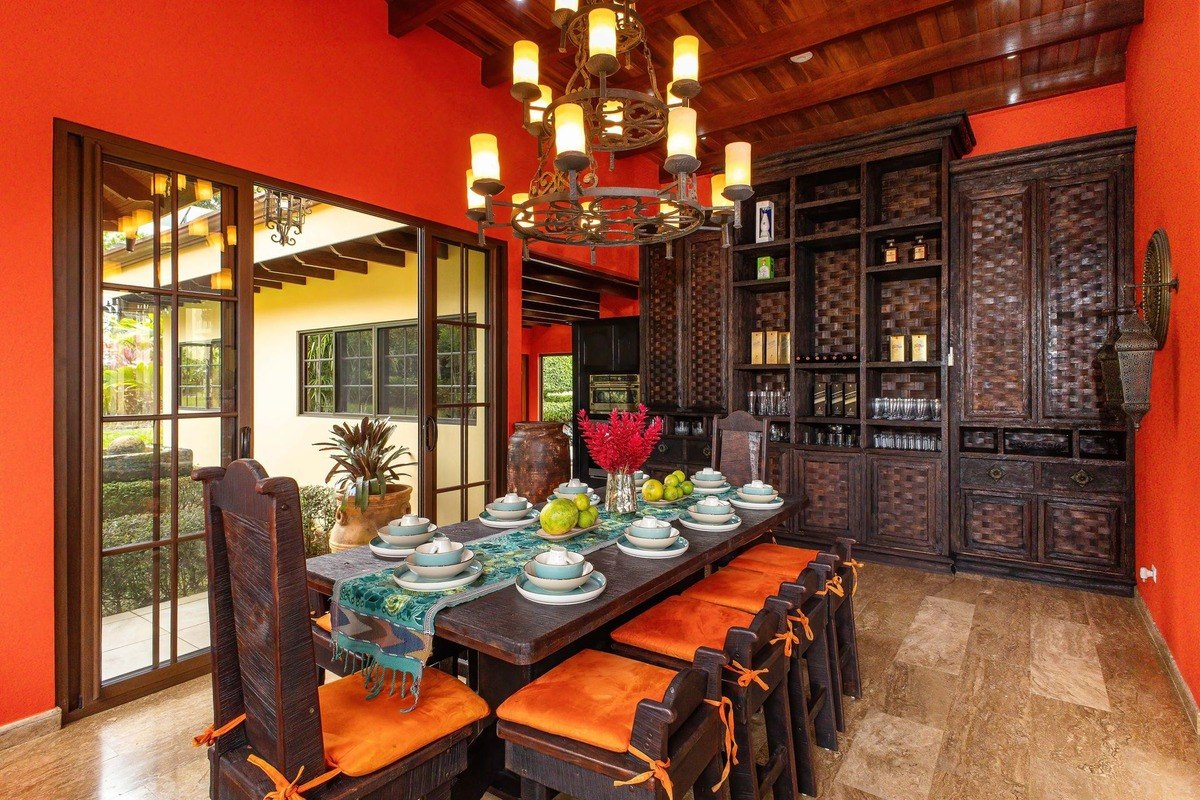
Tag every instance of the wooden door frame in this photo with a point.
(76, 418)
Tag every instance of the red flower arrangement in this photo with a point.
(624, 442)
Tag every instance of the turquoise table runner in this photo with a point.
(388, 630)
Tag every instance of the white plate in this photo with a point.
(409, 580)
(384, 550)
(492, 522)
(737, 502)
(571, 534)
(700, 490)
(685, 519)
(589, 591)
(679, 548)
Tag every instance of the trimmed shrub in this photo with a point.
(121, 498)
(318, 507)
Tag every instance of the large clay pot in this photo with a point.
(353, 527)
(539, 459)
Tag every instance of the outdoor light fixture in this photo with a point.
(284, 213)
(566, 202)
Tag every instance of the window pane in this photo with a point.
(355, 372)
(400, 370)
(128, 226)
(477, 284)
(129, 358)
(205, 254)
(449, 280)
(317, 375)
(207, 363)
(127, 629)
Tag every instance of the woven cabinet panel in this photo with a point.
(1082, 532)
(908, 307)
(1079, 293)
(911, 193)
(903, 502)
(918, 384)
(835, 306)
(826, 494)
(996, 357)
(842, 188)
(706, 322)
(997, 524)
(663, 328)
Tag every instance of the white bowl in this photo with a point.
(711, 481)
(758, 498)
(558, 584)
(505, 513)
(709, 519)
(566, 488)
(660, 530)
(438, 573)
(651, 544)
(407, 541)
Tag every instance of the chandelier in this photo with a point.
(566, 202)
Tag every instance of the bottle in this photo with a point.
(891, 254)
(919, 250)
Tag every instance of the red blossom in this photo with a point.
(624, 442)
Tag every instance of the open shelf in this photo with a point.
(776, 244)
(904, 423)
(782, 284)
(905, 365)
(828, 420)
(909, 269)
(832, 240)
(825, 203)
(905, 226)
(763, 367)
(827, 365)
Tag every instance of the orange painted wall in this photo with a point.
(1063, 117)
(1164, 102)
(360, 114)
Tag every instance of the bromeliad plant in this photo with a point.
(363, 459)
(622, 444)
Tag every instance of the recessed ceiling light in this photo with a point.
(1012, 56)
(800, 58)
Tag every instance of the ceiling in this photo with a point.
(553, 293)
(876, 63)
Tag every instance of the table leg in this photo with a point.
(498, 680)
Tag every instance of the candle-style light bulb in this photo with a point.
(525, 70)
(476, 203)
(681, 141)
(602, 41)
(537, 109)
(686, 74)
(563, 11)
(485, 161)
(570, 138)
(614, 114)
(738, 171)
(521, 218)
(719, 201)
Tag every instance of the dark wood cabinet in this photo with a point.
(608, 346)
(830, 490)
(1042, 472)
(904, 504)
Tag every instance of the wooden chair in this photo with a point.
(740, 447)
(274, 727)
(755, 678)
(603, 727)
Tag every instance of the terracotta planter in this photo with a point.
(539, 459)
(353, 527)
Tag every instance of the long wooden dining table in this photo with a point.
(513, 640)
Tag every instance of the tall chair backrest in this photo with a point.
(263, 660)
(740, 447)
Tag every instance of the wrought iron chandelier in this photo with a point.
(284, 213)
(566, 202)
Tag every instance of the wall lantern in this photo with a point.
(1127, 357)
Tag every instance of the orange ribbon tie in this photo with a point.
(725, 713)
(748, 676)
(290, 790)
(658, 769)
(833, 585)
(211, 734)
(854, 564)
(788, 638)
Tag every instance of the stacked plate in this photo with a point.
(711, 514)
(709, 481)
(757, 496)
(573, 488)
(560, 578)
(651, 538)
(436, 566)
(510, 511)
(401, 536)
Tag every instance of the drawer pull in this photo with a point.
(995, 473)
(1082, 478)
(662, 448)
(708, 451)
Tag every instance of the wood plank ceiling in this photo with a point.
(557, 294)
(875, 63)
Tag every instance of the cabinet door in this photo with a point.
(1079, 278)
(625, 345)
(595, 346)
(904, 504)
(706, 322)
(828, 487)
(1083, 533)
(997, 524)
(996, 300)
(662, 316)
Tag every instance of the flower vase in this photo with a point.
(620, 495)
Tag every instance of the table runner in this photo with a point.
(387, 631)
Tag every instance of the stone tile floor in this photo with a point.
(973, 689)
(125, 638)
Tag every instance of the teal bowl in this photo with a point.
(660, 531)
(394, 528)
(763, 489)
(564, 488)
(520, 504)
(572, 569)
(425, 555)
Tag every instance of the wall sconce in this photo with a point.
(1127, 357)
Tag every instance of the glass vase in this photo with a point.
(620, 494)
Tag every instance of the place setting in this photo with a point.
(757, 496)
(650, 537)
(510, 511)
(711, 514)
(438, 565)
(559, 577)
(709, 481)
(573, 489)
(400, 537)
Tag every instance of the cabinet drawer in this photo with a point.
(699, 451)
(669, 451)
(1075, 478)
(996, 474)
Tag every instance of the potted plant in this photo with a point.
(366, 476)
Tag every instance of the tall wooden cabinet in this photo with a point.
(1042, 473)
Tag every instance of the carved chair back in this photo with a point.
(740, 447)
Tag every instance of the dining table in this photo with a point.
(512, 641)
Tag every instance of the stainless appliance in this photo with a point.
(607, 393)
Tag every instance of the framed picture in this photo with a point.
(764, 221)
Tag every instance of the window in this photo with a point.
(376, 369)
(200, 375)
(557, 393)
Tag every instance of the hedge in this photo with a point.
(121, 498)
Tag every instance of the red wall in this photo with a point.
(1164, 102)
(1064, 117)
(312, 92)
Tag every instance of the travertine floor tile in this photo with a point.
(892, 758)
(938, 636)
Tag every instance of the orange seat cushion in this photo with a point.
(323, 622)
(591, 697)
(776, 559)
(745, 590)
(362, 736)
(676, 627)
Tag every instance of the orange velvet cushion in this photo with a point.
(591, 697)
(676, 627)
(323, 622)
(362, 736)
(745, 590)
(775, 559)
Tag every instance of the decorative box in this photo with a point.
(837, 399)
(758, 349)
(850, 400)
(920, 347)
(896, 348)
(766, 268)
(820, 393)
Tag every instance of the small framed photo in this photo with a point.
(764, 221)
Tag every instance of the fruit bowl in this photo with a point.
(558, 584)
(651, 544)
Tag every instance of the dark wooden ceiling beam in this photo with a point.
(580, 278)
(1091, 19)
(278, 277)
(548, 319)
(558, 291)
(546, 299)
(290, 265)
(368, 251)
(263, 283)
(324, 257)
(405, 16)
(398, 239)
(557, 309)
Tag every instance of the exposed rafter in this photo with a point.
(405, 16)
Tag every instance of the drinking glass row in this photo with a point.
(905, 408)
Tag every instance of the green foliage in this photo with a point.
(557, 392)
(126, 583)
(318, 508)
(364, 462)
(115, 431)
(122, 498)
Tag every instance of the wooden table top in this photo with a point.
(507, 626)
